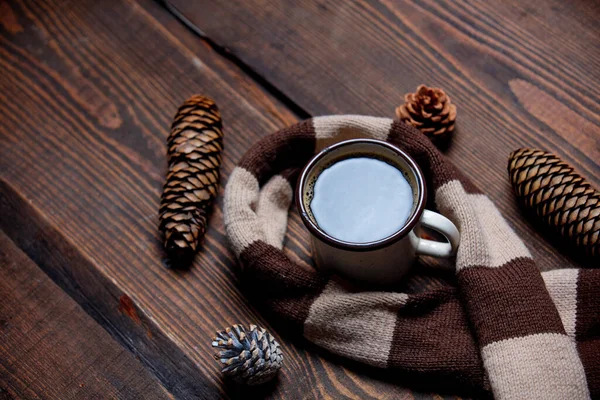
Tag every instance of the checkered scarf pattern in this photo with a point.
(505, 329)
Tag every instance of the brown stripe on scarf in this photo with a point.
(587, 330)
(588, 305)
(436, 170)
(286, 289)
(589, 353)
(291, 175)
(433, 343)
(508, 301)
(291, 147)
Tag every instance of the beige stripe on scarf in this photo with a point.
(358, 325)
(535, 365)
(241, 199)
(257, 214)
(488, 240)
(333, 129)
(562, 286)
(273, 204)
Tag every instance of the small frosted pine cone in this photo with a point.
(250, 357)
(429, 110)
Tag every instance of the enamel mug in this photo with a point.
(385, 261)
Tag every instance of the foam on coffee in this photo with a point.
(360, 199)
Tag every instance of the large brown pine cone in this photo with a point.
(429, 110)
(194, 149)
(559, 197)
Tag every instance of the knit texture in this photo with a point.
(505, 329)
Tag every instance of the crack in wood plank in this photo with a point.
(96, 294)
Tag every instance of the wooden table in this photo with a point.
(87, 92)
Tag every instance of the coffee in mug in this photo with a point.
(363, 201)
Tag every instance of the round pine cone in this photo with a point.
(559, 197)
(429, 110)
(250, 357)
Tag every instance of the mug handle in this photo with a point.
(444, 226)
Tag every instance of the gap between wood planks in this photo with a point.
(223, 51)
(50, 250)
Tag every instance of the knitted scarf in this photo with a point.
(505, 328)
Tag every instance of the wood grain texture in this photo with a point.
(521, 74)
(50, 348)
(87, 93)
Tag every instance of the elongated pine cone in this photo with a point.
(251, 357)
(194, 150)
(430, 111)
(562, 199)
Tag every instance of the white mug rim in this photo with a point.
(321, 235)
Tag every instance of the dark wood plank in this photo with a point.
(521, 73)
(50, 348)
(87, 93)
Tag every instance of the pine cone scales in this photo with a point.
(252, 357)
(194, 149)
(429, 110)
(562, 199)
